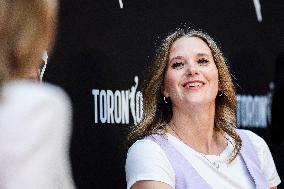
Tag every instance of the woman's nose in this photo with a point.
(191, 68)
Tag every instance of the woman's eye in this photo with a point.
(177, 65)
(202, 61)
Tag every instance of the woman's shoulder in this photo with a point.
(260, 146)
(23, 99)
(22, 91)
(144, 147)
(257, 141)
(265, 157)
(147, 161)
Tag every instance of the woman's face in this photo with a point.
(191, 75)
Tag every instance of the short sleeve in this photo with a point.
(147, 161)
(266, 160)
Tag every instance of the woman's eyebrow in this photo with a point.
(204, 55)
(176, 57)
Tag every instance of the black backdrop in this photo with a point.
(103, 45)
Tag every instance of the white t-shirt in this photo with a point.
(35, 128)
(147, 161)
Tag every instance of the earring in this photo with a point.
(165, 100)
(220, 92)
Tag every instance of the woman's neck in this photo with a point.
(196, 129)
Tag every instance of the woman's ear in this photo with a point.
(219, 85)
(163, 91)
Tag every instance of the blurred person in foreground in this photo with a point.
(35, 119)
(188, 137)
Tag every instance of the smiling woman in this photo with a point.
(191, 74)
(188, 136)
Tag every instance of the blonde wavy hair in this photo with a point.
(27, 29)
(157, 114)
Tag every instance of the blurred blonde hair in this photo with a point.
(27, 28)
(157, 114)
